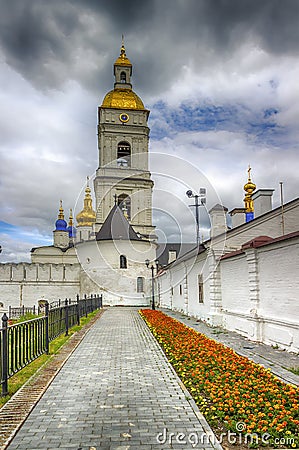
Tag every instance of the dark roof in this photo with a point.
(163, 250)
(52, 246)
(116, 227)
(260, 241)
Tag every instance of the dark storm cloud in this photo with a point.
(220, 77)
(50, 42)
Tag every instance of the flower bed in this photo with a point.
(228, 387)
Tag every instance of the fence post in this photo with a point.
(66, 317)
(101, 301)
(78, 310)
(85, 303)
(47, 326)
(4, 356)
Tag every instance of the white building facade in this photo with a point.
(244, 280)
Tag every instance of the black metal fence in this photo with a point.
(15, 313)
(23, 342)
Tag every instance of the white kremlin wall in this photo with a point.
(26, 284)
(263, 304)
(252, 289)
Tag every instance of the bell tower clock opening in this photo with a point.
(123, 137)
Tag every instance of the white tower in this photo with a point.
(123, 137)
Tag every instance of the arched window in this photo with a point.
(123, 78)
(124, 202)
(122, 262)
(123, 154)
(140, 284)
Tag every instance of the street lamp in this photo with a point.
(202, 198)
(147, 263)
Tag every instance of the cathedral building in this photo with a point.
(107, 249)
(244, 278)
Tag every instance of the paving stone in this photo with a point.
(117, 391)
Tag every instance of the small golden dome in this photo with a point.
(122, 99)
(87, 217)
(123, 60)
(249, 187)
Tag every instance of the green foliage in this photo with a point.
(295, 370)
(26, 317)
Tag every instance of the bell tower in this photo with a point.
(123, 137)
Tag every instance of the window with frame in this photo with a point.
(122, 262)
(200, 288)
(123, 154)
(123, 78)
(140, 284)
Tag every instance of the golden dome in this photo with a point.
(87, 217)
(123, 60)
(122, 99)
(249, 187)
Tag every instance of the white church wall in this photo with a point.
(54, 255)
(279, 287)
(258, 292)
(195, 307)
(165, 290)
(44, 272)
(234, 272)
(177, 276)
(179, 288)
(25, 284)
(236, 304)
(18, 272)
(5, 272)
(273, 317)
(101, 270)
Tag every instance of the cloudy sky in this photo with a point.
(219, 76)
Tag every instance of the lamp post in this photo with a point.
(197, 197)
(152, 268)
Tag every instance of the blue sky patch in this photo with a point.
(262, 125)
(20, 234)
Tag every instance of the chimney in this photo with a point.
(171, 256)
(238, 216)
(262, 200)
(218, 220)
